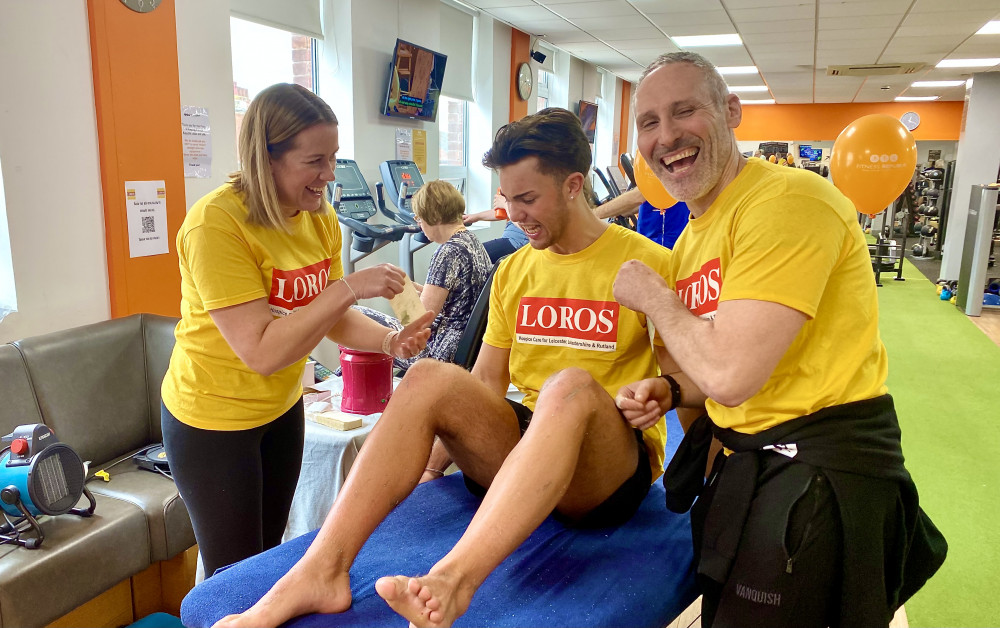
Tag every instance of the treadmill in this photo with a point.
(352, 200)
(402, 180)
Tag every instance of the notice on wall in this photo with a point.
(934, 155)
(196, 135)
(146, 213)
(404, 144)
(420, 150)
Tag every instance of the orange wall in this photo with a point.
(520, 51)
(938, 120)
(137, 95)
(626, 113)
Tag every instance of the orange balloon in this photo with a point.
(773, 159)
(873, 161)
(651, 188)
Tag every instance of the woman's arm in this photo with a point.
(267, 344)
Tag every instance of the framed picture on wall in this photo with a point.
(588, 118)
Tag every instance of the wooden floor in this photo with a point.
(989, 322)
(691, 618)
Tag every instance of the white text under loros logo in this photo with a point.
(700, 291)
(292, 289)
(577, 323)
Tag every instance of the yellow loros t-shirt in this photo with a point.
(224, 261)
(556, 311)
(788, 236)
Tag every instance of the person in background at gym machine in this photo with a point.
(662, 226)
(455, 277)
(810, 518)
(513, 237)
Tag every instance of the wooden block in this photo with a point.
(406, 305)
(108, 610)
(177, 575)
(337, 420)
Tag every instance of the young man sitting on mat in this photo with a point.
(556, 332)
(770, 307)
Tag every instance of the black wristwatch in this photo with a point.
(675, 391)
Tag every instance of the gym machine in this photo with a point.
(925, 223)
(352, 200)
(402, 180)
(977, 249)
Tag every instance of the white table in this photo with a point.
(327, 457)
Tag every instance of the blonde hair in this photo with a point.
(271, 124)
(438, 203)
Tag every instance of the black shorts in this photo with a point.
(613, 511)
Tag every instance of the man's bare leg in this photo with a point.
(576, 453)
(432, 398)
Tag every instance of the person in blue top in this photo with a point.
(662, 226)
(512, 237)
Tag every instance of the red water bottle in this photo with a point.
(367, 381)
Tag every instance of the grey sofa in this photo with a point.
(98, 388)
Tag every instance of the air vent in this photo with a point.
(875, 69)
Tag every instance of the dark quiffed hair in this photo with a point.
(555, 136)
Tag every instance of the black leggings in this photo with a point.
(237, 486)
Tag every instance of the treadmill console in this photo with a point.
(394, 174)
(356, 198)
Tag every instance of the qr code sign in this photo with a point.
(148, 224)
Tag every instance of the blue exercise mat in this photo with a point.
(639, 574)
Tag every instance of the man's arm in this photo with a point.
(623, 205)
(645, 401)
(731, 357)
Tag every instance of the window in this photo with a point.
(543, 89)
(263, 56)
(453, 124)
(8, 298)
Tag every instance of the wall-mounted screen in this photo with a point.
(588, 118)
(414, 86)
(809, 153)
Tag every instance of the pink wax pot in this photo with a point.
(367, 381)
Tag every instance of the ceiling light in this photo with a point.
(914, 98)
(937, 83)
(692, 41)
(738, 69)
(748, 88)
(991, 28)
(968, 63)
(769, 101)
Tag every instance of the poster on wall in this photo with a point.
(420, 149)
(404, 144)
(146, 213)
(196, 135)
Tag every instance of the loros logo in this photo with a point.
(880, 161)
(578, 323)
(700, 291)
(292, 289)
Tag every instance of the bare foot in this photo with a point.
(302, 590)
(431, 601)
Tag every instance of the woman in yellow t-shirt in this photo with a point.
(261, 284)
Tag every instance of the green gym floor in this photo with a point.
(943, 375)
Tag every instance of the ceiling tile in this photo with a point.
(623, 34)
(521, 15)
(652, 43)
(778, 26)
(726, 56)
(677, 6)
(621, 21)
(868, 22)
(607, 8)
(493, 4)
(562, 39)
(692, 18)
(767, 14)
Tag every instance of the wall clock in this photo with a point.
(910, 120)
(524, 81)
(142, 6)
